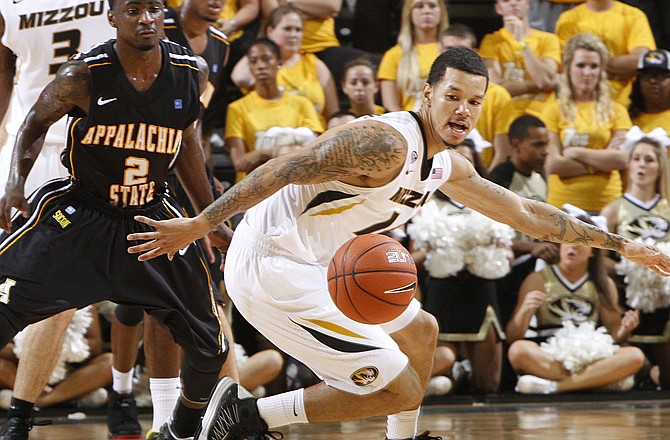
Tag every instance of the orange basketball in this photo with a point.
(372, 278)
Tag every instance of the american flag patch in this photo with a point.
(436, 173)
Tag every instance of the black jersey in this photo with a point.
(122, 149)
(215, 53)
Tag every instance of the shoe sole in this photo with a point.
(221, 388)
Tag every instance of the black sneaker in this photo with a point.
(232, 414)
(17, 428)
(122, 420)
(163, 433)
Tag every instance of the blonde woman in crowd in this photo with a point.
(643, 212)
(586, 130)
(404, 68)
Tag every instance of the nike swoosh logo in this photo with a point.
(295, 412)
(16, 1)
(105, 101)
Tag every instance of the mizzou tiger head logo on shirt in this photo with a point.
(365, 376)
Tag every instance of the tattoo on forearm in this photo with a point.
(356, 151)
(569, 230)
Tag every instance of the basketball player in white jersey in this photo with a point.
(37, 38)
(368, 176)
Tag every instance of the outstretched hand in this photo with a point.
(168, 236)
(647, 255)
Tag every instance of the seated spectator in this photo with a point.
(650, 98)
(576, 290)
(404, 68)
(643, 213)
(319, 35)
(625, 31)
(497, 112)
(301, 73)
(340, 118)
(523, 175)
(82, 372)
(586, 130)
(360, 85)
(523, 60)
(460, 290)
(266, 119)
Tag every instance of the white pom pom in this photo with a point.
(645, 289)
(578, 346)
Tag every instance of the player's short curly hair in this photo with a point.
(460, 58)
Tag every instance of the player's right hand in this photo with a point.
(13, 199)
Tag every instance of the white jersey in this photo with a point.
(44, 35)
(313, 221)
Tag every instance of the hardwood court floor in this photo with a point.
(564, 420)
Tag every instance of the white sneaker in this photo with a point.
(625, 384)
(529, 384)
(438, 386)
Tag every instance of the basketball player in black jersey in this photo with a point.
(133, 102)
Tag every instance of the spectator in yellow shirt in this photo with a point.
(586, 130)
(523, 60)
(650, 99)
(625, 31)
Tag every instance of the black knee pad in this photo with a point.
(129, 315)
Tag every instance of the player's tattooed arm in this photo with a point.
(366, 150)
(541, 220)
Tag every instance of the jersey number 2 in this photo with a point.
(137, 171)
(72, 38)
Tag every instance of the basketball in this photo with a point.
(372, 279)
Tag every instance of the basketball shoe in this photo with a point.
(122, 421)
(17, 428)
(232, 414)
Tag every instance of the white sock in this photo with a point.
(164, 396)
(122, 383)
(283, 409)
(402, 425)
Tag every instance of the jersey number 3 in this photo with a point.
(72, 40)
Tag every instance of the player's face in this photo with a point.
(359, 84)
(138, 22)
(263, 63)
(454, 104)
(533, 149)
(516, 8)
(426, 14)
(288, 33)
(207, 10)
(585, 71)
(644, 167)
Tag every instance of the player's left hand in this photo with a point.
(167, 237)
(647, 255)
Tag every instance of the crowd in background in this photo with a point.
(577, 113)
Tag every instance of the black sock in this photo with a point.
(185, 420)
(20, 408)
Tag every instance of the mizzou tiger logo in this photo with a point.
(365, 376)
